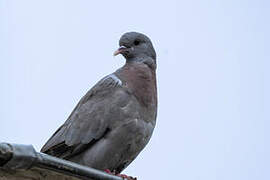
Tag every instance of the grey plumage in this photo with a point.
(114, 121)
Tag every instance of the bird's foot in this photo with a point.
(120, 175)
(126, 177)
(110, 172)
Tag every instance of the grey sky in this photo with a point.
(213, 78)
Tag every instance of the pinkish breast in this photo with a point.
(140, 80)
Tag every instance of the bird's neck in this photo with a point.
(143, 59)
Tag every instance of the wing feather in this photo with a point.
(87, 122)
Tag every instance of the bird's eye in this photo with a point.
(136, 42)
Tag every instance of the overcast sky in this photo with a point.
(213, 78)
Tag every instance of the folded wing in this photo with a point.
(89, 121)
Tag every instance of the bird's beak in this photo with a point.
(120, 50)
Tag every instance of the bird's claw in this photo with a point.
(126, 177)
(120, 175)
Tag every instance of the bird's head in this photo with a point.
(136, 47)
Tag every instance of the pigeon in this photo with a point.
(115, 119)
